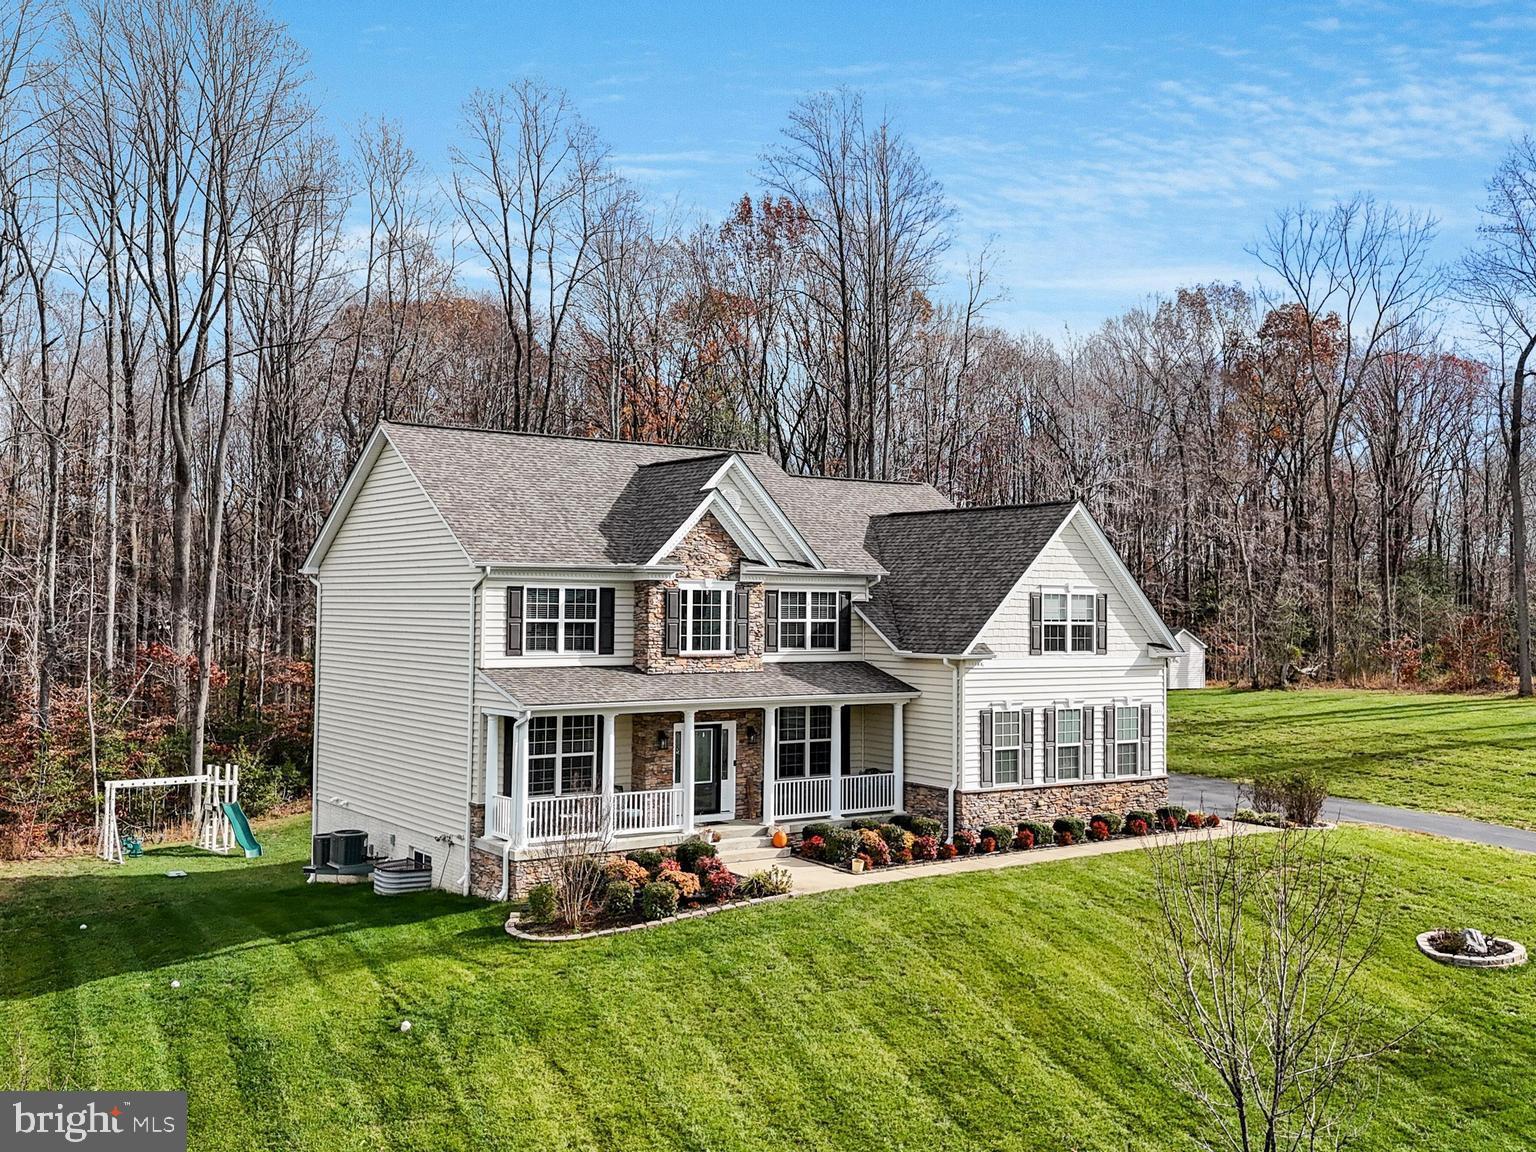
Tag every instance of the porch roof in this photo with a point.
(567, 687)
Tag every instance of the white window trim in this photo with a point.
(1134, 706)
(1024, 747)
(1082, 739)
(727, 588)
(561, 619)
(560, 755)
(805, 741)
(808, 619)
(1070, 590)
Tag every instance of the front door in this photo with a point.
(714, 786)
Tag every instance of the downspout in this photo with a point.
(469, 756)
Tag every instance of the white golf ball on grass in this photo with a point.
(405, 1025)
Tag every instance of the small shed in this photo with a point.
(1187, 670)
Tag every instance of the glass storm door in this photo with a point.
(714, 792)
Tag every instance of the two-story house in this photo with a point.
(522, 638)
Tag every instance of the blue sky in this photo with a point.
(1109, 152)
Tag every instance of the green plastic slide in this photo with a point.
(242, 830)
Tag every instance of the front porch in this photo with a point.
(617, 774)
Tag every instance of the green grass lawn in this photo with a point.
(994, 1010)
(1470, 755)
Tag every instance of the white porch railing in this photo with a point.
(802, 799)
(659, 810)
(869, 792)
(622, 814)
(498, 817)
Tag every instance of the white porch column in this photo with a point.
(607, 761)
(685, 758)
(770, 761)
(492, 771)
(518, 833)
(898, 754)
(837, 761)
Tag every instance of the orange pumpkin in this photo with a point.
(780, 838)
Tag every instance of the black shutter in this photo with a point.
(1086, 735)
(1111, 760)
(1101, 624)
(844, 622)
(771, 621)
(846, 738)
(985, 744)
(1145, 764)
(1048, 745)
(672, 634)
(597, 755)
(514, 621)
(1034, 624)
(743, 619)
(1027, 745)
(605, 621)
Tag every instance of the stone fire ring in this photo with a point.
(1515, 956)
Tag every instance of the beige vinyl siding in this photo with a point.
(623, 741)
(1125, 673)
(869, 735)
(928, 720)
(391, 711)
(493, 643)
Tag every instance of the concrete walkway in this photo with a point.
(811, 877)
(1207, 793)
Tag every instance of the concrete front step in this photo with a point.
(756, 857)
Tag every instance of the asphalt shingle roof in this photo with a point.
(948, 571)
(561, 687)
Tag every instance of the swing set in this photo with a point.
(218, 823)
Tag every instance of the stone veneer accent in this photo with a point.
(706, 553)
(1010, 805)
(485, 874)
(651, 767)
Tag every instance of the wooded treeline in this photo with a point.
(206, 303)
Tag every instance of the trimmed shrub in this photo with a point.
(896, 838)
(1065, 839)
(1023, 839)
(925, 848)
(686, 883)
(964, 842)
(1001, 835)
(541, 903)
(1195, 820)
(866, 824)
(948, 851)
(1072, 824)
(659, 900)
(618, 898)
(812, 847)
(925, 826)
(1112, 820)
(1172, 812)
(1136, 826)
(691, 851)
(1147, 818)
(1212, 820)
(647, 858)
(630, 872)
(1041, 832)
(820, 828)
(840, 845)
(903, 820)
(1097, 829)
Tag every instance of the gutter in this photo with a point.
(506, 847)
(957, 710)
(469, 706)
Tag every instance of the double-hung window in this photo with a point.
(1127, 741)
(1082, 622)
(562, 755)
(1053, 614)
(1009, 763)
(1069, 743)
(804, 742)
(560, 620)
(808, 621)
(707, 624)
(1068, 621)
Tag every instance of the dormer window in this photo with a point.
(708, 626)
